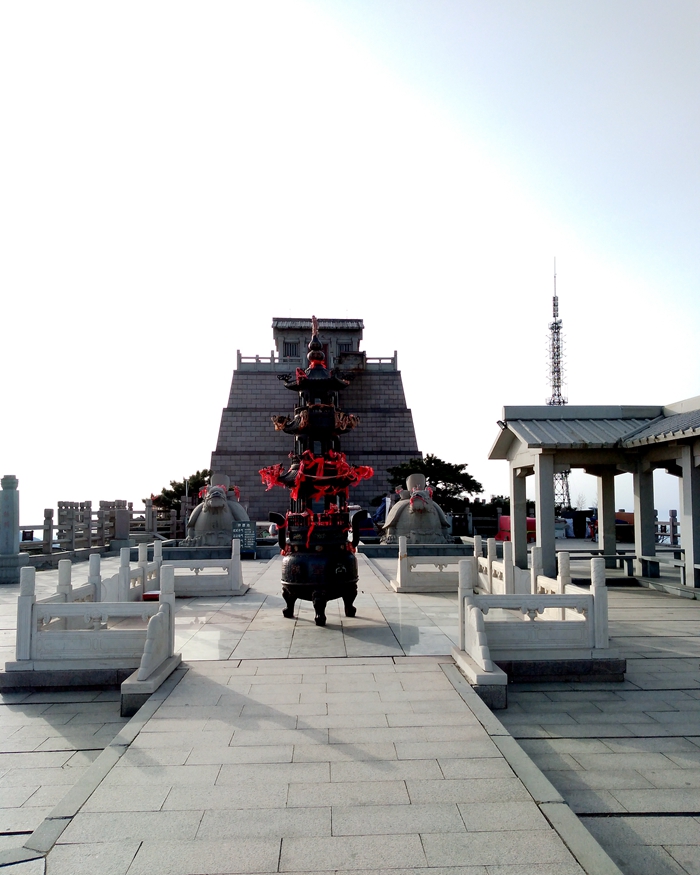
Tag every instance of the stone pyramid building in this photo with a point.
(248, 441)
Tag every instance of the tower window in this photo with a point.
(345, 347)
(291, 350)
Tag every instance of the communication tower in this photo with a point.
(562, 498)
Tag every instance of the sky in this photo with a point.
(173, 175)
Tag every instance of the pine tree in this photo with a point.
(451, 484)
(172, 498)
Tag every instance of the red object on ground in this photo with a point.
(503, 533)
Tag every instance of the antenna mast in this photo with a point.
(562, 497)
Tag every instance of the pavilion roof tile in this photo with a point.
(575, 433)
(665, 428)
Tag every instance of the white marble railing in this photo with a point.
(498, 576)
(412, 576)
(549, 625)
(229, 580)
(60, 632)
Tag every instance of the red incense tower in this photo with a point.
(316, 537)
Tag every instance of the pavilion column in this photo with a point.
(518, 516)
(544, 496)
(690, 515)
(606, 515)
(644, 521)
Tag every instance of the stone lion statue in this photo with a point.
(416, 516)
(211, 523)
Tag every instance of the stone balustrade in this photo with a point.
(561, 628)
(221, 577)
(411, 575)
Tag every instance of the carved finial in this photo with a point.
(315, 355)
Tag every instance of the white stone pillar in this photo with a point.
(564, 575)
(11, 560)
(65, 590)
(47, 533)
(65, 586)
(95, 575)
(467, 584)
(25, 606)
(508, 571)
(544, 497)
(236, 568)
(690, 516)
(124, 574)
(644, 541)
(606, 515)
(491, 556)
(402, 569)
(600, 603)
(158, 553)
(167, 596)
(518, 517)
(536, 570)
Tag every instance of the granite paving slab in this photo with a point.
(297, 799)
(356, 719)
(628, 754)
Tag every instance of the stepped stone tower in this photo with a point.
(247, 442)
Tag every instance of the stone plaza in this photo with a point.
(282, 747)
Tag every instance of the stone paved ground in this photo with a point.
(391, 726)
(370, 765)
(627, 756)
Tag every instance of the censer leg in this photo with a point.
(319, 602)
(348, 599)
(290, 601)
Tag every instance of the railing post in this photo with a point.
(536, 568)
(402, 568)
(143, 564)
(491, 556)
(468, 571)
(563, 577)
(72, 516)
(236, 570)
(173, 523)
(167, 596)
(95, 576)
(123, 586)
(25, 609)
(11, 560)
(87, 522)
(478, 548)
(100, 529)
(600, 603)
(564, 573)
(148, 522)
(65, 587)
(47, 532)
(122, 522)
(508, 571)
(158, 553)
(673, 527)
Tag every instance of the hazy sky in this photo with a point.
(173, 175)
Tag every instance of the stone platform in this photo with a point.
(284, 747)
